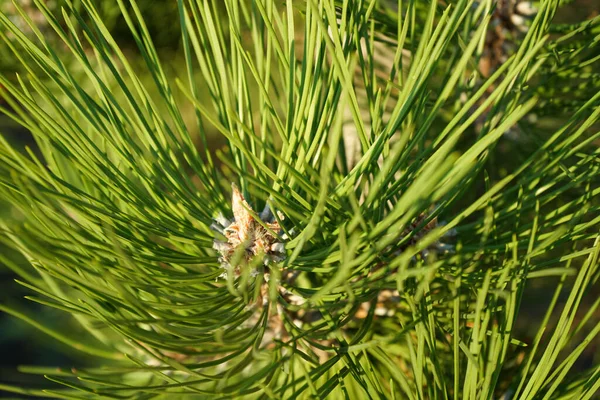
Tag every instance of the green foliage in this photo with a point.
(361, 124)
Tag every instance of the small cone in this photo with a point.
(241, 215)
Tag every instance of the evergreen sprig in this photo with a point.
(359, 126)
